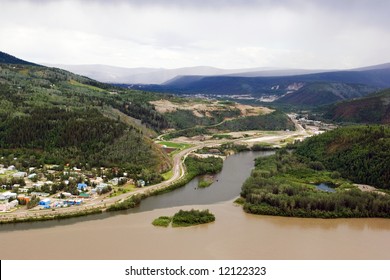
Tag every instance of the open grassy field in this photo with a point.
(118, 190)
(75, 83)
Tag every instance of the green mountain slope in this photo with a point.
(359, 153)
(371, 109)
(48, 115)
(9, 59)
(325, 93)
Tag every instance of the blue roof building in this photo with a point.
(81, 186)
(45, 202)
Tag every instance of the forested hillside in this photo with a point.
(374, 108)
(316, 94)
(49, 115)
(359, 153)
(9, 59)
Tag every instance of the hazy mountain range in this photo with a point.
(122, 75)
(288, 86)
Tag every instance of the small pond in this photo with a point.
(326, 187)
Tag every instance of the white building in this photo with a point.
(19, 174)
(7, 195)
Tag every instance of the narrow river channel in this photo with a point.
(234, 235)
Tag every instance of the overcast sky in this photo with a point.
(314, 34)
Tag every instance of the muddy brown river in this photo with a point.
(234, 234)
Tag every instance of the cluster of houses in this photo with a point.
(48, 203)
(8, 201)
(319, 125)
(20, 187)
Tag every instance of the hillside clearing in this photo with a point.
(201, 109)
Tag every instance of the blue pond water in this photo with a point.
(324, 187)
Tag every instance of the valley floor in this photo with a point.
(97, 205)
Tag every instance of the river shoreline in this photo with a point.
(234, 235)
(79, 211)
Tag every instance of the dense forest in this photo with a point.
(287, 184)
(50, 116)
(359, 153)
(273, 121)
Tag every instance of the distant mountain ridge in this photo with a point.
(122, 75)
(321, 93)
(310, 89)
(288, 86)
(374, 77)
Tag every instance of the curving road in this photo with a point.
(178, 173)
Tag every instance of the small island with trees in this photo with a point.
(185, 218)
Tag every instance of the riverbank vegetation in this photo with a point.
(205, 181)
(131, 202)
(195, 166)
(185, 218)
(163, 221)
(286, 184)
(192, 217)
(53, 216)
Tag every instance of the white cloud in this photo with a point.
(229, 34)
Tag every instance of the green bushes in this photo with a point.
(128, 203)
(185, 218)
(33, 202)
(205, 182)
(162, 221)
(192, 217)
(201, 166)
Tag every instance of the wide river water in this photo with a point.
(234, 234)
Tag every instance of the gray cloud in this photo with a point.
(224, 33)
